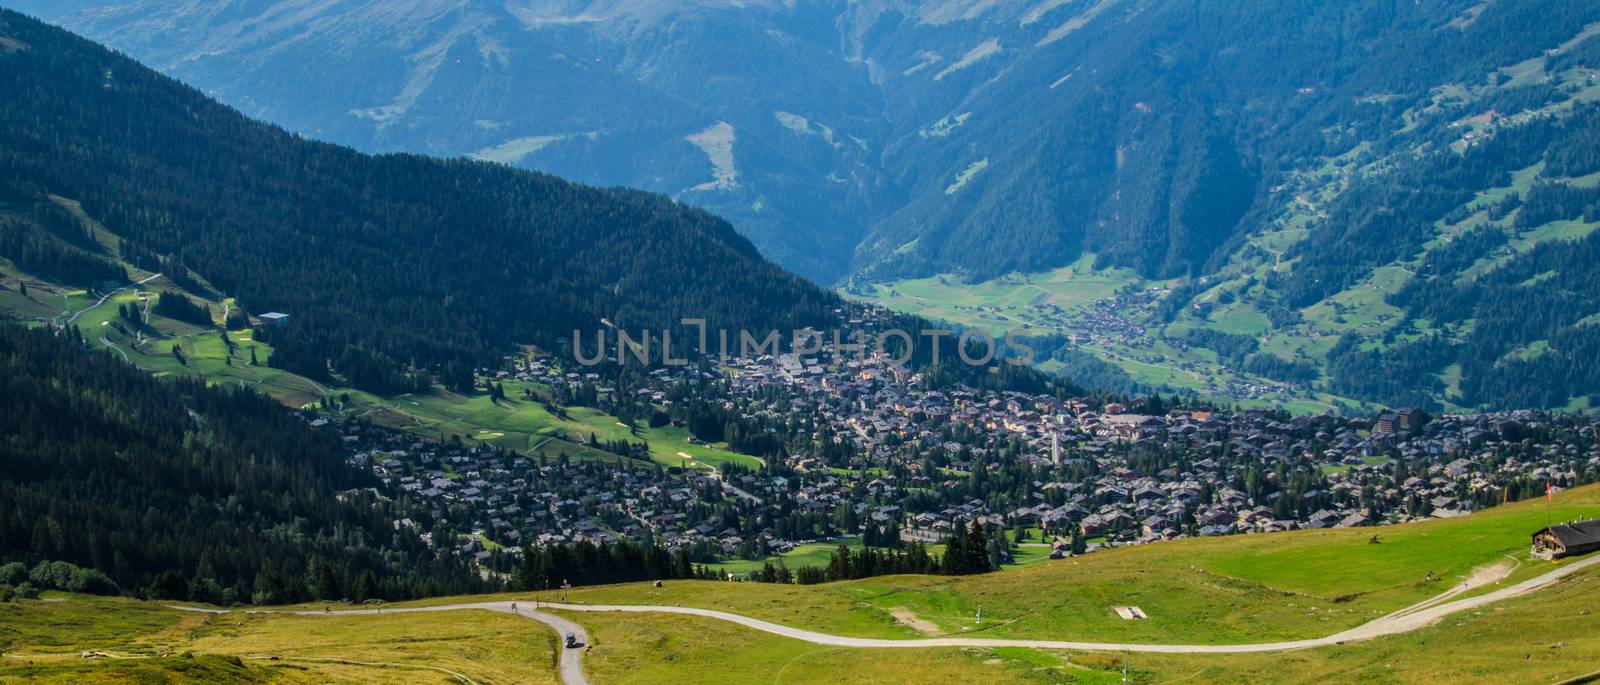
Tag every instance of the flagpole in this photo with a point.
(1549, 496)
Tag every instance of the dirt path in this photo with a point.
(105, 297)
(113, 347)
(1481, 576)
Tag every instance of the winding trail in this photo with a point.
(571, 657)
(1406, 620)
(107, 296)
(113, 347)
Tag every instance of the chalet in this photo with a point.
(1566, 540)
(1356, 520)
(274, 319)
(1409, 419)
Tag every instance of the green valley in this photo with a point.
(1485, 141)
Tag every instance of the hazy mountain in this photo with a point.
(1280, 153)
(885, 136)
(657, 96)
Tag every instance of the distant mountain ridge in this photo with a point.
(1375, 192)
(410, 264)
(879, 138)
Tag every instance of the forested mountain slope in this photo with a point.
(1313, 204)
(189, 492)
(882, 138)
(399, 261)
(1430, 249)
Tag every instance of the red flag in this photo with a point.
(1549, 492)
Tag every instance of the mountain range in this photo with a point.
(869, 137)
(1289, 173)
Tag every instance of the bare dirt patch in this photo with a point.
(906, 618)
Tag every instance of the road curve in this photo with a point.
(1403, 621)
(571, 659)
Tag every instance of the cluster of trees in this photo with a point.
(17, 580)
(881, 535)
(970, 551)
(417, 263)
(622, 447)
(1400, 376)
(1231, 348)
(1280, 369)
(973, 550)
(131, 315)
(1549, 202)
(37, 252)
(175, 489)
(585, 563)
(1083, 369)
(1584, 54)
(362, 368)
(866, 562)
(180, 307)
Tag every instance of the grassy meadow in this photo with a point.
(1542, 638)
(1252, 588)
(648, 649)
(144, 642)
(1247, 588)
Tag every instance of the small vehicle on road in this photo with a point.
(572, 641)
